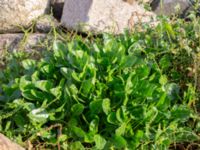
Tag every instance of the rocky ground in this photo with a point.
(96, 16)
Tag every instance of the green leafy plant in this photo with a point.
(122, 92)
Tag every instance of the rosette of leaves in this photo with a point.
(106, 94)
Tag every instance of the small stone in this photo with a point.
(104, 15)
(6, 144)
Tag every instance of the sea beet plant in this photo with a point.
(114, 92)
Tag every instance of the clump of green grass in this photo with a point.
(132, 91)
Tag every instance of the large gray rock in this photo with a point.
(103, 15)
(6, 144)
(170, 7)
(19, 13)
(19, 41)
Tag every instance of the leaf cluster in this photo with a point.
(121, 92)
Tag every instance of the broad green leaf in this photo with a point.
(20, 120)
(165, 62)
(61, 108)
(28, 106)
(62, 138)
(89, 137)
(143, 71)
(172, 90)
(45, 135)
(147, 89)
(138, 111)
(94, 125)
(29, 64)
(180, 113)
(152, 77)
(37, 94)
(163, 102)
(57, 91)
(197, 128)
(76, 146)
(35, 76)
(121, 130)
(186, 134)
(77, 109)
(169, 30)
(106, 106)
(138, 137)
(75, 76)
(66, 72)
(82, 44)
(111, 118)
(28, 95)
(86, 87)
(96, 106)
(7, 126)
(73, 89)
(100, 142)
(59, 50)
(163, 80)
(129, 85)
(72, 122)
(128, 61)
(44, 85)
(78, 132)
(79, 54)
(121, 114)
(151, 114)
(119, 142)
(25, 83)
(47, 69)
(38, 115)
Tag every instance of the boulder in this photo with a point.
(6, 144)
(104, 15)
(20, 13)
(171, 7)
